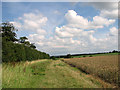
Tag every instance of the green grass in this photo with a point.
(46, 74)
(95, 55)
(0, 76)
(61, 75)
(23, 75)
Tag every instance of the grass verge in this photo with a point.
(23, 75)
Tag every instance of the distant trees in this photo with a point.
(52, 57)
(22, 51)
(32, 46)
(68, 56)
(22, 39)
(114, 51)
(27, 43)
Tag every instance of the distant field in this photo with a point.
(105, 66)
(95, 55)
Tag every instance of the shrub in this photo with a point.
(90, 56)
(68, 55)
(53, 58)
(84, 56)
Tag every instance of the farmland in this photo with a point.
(26, 67)
(104, 67)
(47, 74)
(93, 55)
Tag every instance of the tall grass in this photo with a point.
(0, 76)
(17, 75)
(105, 67)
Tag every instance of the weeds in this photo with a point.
(16, 75)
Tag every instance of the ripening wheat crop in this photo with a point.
(105, 67)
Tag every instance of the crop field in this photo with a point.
(104, 67)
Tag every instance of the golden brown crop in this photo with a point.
(105, 67)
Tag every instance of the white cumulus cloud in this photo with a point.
(78, 21)
(31, 22)
(76, 36)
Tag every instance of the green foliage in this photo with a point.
(68, 55)
(84, 56)
(32, 46)
(22, 39)
(90, 56)
(8, 31)
(53, 58)
(20, 52)
(8, 53)
(15, 52)
(27, 43)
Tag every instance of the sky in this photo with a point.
(59, 28)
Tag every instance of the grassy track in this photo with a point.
(47, 74)
(61, 75)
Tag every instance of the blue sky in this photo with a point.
(55, 15)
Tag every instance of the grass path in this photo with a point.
(47, 74)
(61, 75)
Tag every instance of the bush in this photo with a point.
(90, 56)
(53, 58)
(84, 56)
(68, 55)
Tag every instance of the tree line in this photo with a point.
(84, 55)
(15, 50)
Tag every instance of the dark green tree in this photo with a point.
(15, 52)
(22, 39)
(8, 31)
(53, 57)
(68, 55)
(32, 45)
(27, 43)
(114, 51)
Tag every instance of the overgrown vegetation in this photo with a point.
(46, 74)
(14, 49)
(23, 74)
